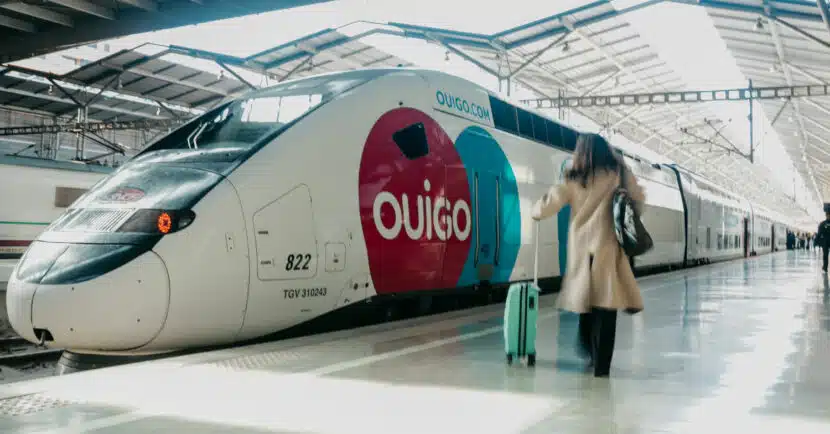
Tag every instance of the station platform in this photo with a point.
(740, 345)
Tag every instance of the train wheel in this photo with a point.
(424, 304)
(390, 311)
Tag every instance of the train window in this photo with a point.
(720, 241)
(539, 130)
(569, 138)
(65, 196)
(554, 133)
(708, 238)
(525, 122)
(240, 124)
(504, 115)
(412, 141)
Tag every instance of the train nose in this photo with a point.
(120, 309)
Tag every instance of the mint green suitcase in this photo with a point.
(521, 311)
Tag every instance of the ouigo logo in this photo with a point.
(436, 215)
(415, 211)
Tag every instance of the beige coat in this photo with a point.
(608, 282)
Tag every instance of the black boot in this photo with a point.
(604, 334)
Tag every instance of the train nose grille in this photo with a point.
(91, 220)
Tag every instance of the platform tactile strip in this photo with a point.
(28, 404)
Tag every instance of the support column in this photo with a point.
(825, 12)
(751, 126)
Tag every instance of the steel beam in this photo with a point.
(73, 103)
(38, 12)
(329, 55)
(825, 12)
(539, 54)
(147, 5)
(683, 97)
(800, 31)
(14, 23)
(782, 59)
(87, 8)
(164, 77)
(129, 21)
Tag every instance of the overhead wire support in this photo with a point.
(682, 97)
(78, 127)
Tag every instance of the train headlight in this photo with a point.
(158, 221)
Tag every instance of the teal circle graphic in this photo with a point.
(497, 218)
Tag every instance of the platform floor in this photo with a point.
(737, 346)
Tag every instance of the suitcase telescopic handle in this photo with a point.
(536, 257)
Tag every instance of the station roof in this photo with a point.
(32, 28)
(37, 94)
(785, 42)
(151, 76)
(325, 51)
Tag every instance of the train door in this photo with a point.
(746, 238)
(487, 218)
(772, 240)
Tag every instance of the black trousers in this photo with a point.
(597, 332)
(824, 257)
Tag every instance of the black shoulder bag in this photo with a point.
(631, 233)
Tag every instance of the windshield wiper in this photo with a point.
(218, 121)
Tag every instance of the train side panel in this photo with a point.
(762, 233)
(663, 214)
(780, 241)
(522, 171)
(720, 226)
(306, 221)
(694, 237)
(40, 193)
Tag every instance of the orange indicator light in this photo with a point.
(164, 223)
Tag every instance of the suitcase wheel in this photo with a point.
(531, 359)
(509, 359)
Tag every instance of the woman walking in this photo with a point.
(598, 279)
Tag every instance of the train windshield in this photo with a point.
(235, 127)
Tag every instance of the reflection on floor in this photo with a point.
(743, 345)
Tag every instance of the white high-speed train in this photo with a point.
(322, 193)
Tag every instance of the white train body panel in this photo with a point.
(208, 264)
(780, 241)
(662, 214)
(34, 193)
(123, 309)
(405, 181)
(717, 222)
(762, 230)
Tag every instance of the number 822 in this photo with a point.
(297, 262)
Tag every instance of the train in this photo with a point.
(34, 193)
(40, 191)
(328, 192)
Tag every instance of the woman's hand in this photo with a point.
(536, 211)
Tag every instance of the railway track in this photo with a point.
(17, 352)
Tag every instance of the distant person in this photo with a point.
(598, 280)
(823, 238)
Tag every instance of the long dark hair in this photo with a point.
(592, 153)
